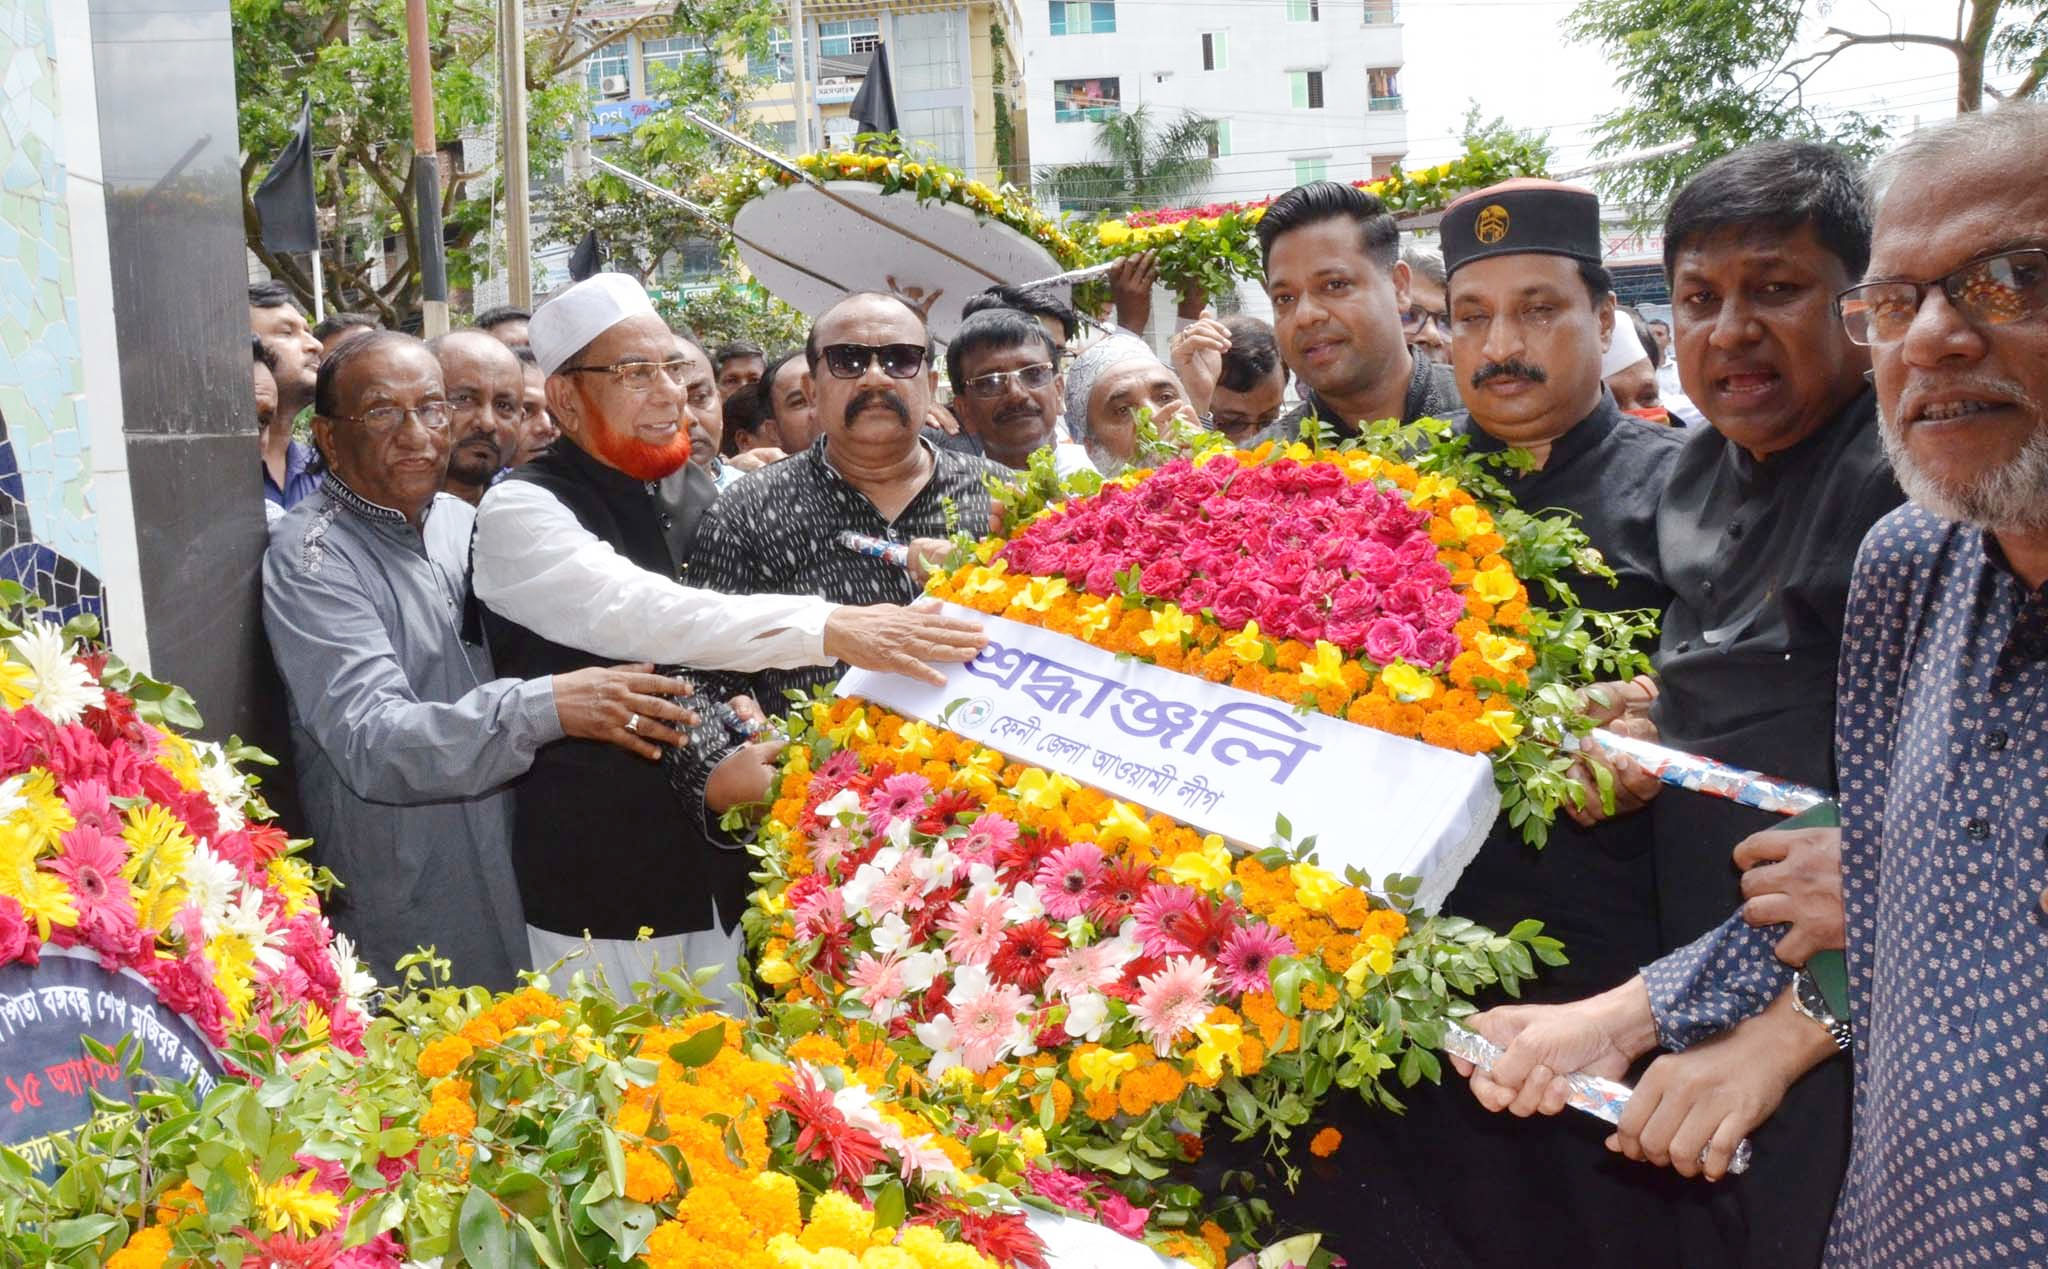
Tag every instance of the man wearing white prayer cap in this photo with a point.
(576, 563)
(1106, 388)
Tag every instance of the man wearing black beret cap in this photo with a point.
(1447, 1183)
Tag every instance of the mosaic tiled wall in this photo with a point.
(48, 536)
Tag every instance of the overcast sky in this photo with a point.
(1520, 65)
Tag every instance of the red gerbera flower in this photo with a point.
(1025, 957)
(823, 1132)
(1003, 1237)
(1018, 861)
(1116, 893)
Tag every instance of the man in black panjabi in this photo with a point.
(1446, 1184)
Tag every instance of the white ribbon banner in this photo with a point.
(1221, 759)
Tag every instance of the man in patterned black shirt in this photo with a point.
(871, 472)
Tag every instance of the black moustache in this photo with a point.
(1508, 370)
(882, 397)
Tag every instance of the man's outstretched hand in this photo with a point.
(1600, 1035)
(624, 705)
(907, 641)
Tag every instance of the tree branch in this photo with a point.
(1849, 39)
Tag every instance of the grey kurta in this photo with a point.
(404, 742)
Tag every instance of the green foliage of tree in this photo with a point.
(1725, 73)
(738, 310)
(349, 58)
(1144, 162)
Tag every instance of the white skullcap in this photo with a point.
(1111, 350)
(1624, 350)
(566, 324)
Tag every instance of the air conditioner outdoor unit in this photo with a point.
(613, 86)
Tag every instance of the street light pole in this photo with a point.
(801, 88)
(426, 175)
(512, 162)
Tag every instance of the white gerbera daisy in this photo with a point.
(244, 920)
(211, 885)
(64, 688)
(357, 983)
(224, 786)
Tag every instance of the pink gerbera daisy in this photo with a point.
(899, 797)
(1092, 967)
(989, 1025)
(91, 864)
(1248, 953)
(1066, 880)
(1162, 912)
(829, 845)
(1173, 1001)
(976, 925)
(985, 836)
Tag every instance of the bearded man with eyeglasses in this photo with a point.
(404, 736)
(577, 558)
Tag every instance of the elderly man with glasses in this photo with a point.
(404, 737)
(576, 561)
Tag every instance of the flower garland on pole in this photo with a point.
(1046, 953)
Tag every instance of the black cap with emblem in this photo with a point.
(1522, 216)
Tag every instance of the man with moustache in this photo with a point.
(576, 562)
(1109, 386)
(1942, 718)
(485, 389)
(874, 472)
(1339, 290)
(1005, 372)
(1532, 309)
(274, 318)
(403, 737)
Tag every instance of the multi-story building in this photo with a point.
(1299, 89)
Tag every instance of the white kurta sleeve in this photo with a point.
(536, 565)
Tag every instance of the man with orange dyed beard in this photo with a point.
(576, 561)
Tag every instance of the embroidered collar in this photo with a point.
(338, 490)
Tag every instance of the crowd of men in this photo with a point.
(530, 587)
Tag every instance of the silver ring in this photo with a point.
(633, 723)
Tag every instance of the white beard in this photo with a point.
(2012, 497)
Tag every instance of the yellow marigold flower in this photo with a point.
(148, 1249)
(1040, 593)
(1504, 724)
(1031, 1141)
(1408, 683)
(1325, 668)
(1207, 869)
(648, 1179)
(1113, 233)
(1169, 625)
(294, 1205)
(1314, 887)
(838, 1221)
(1495, 585)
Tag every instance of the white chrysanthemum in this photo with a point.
(11, 799)
(64, 688)
(357, 983)
(222, 784)
(245, 920)
(211, 885)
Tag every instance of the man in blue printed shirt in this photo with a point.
(1941, 728)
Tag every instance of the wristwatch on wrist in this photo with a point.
(1811, 1003)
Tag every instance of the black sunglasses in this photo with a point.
(851, 361)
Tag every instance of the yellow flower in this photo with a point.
(43, 896)
(916, 740)
(986, 579)
(1375, 957)
(1207, 868)
(775, 971)
(1123, 824)
(1470, 521)
(1408, 683)
(294, 1205)
(1040, 594)
(1430, 488)
(293, 878)
(1314, 887)
(1504, 724)
(1326, 669)
(1098, 615)
(1499, 651)
(1029, 1139)
(1042, 791)
(1102, 1067)
(1494, 585)
(1220, 1042)
(854, 731)
(46, 815)
(1169, 625)
(1247, 644)
(1113, 233)
(17, 684)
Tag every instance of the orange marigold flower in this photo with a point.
(1325, 1143)
(648, 1179)
(149, 1248)
(442, 1056)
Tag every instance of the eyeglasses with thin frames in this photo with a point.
(996, 383)
(1994, 290)
(851, 361)
(637, 376)
(433, 416)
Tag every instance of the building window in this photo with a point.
(1383, 165)
(658, 57)
(1306, 170)
(607, 69)
(1304, 10)
(1081, 100)
(849, 38)
(943, 129)
(928, 53)
(1307, 87)
(779, 63)
(1383, 87)
(1083, 17)
(1215, 51)
(1381, 12)
(785, 136)
(1219, 138)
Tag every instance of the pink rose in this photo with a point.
(1163, 578)
(1388, 639)
(1375, 563)
(1405, 598)
(1235, 603)
(1435, 647)
(18, 940)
